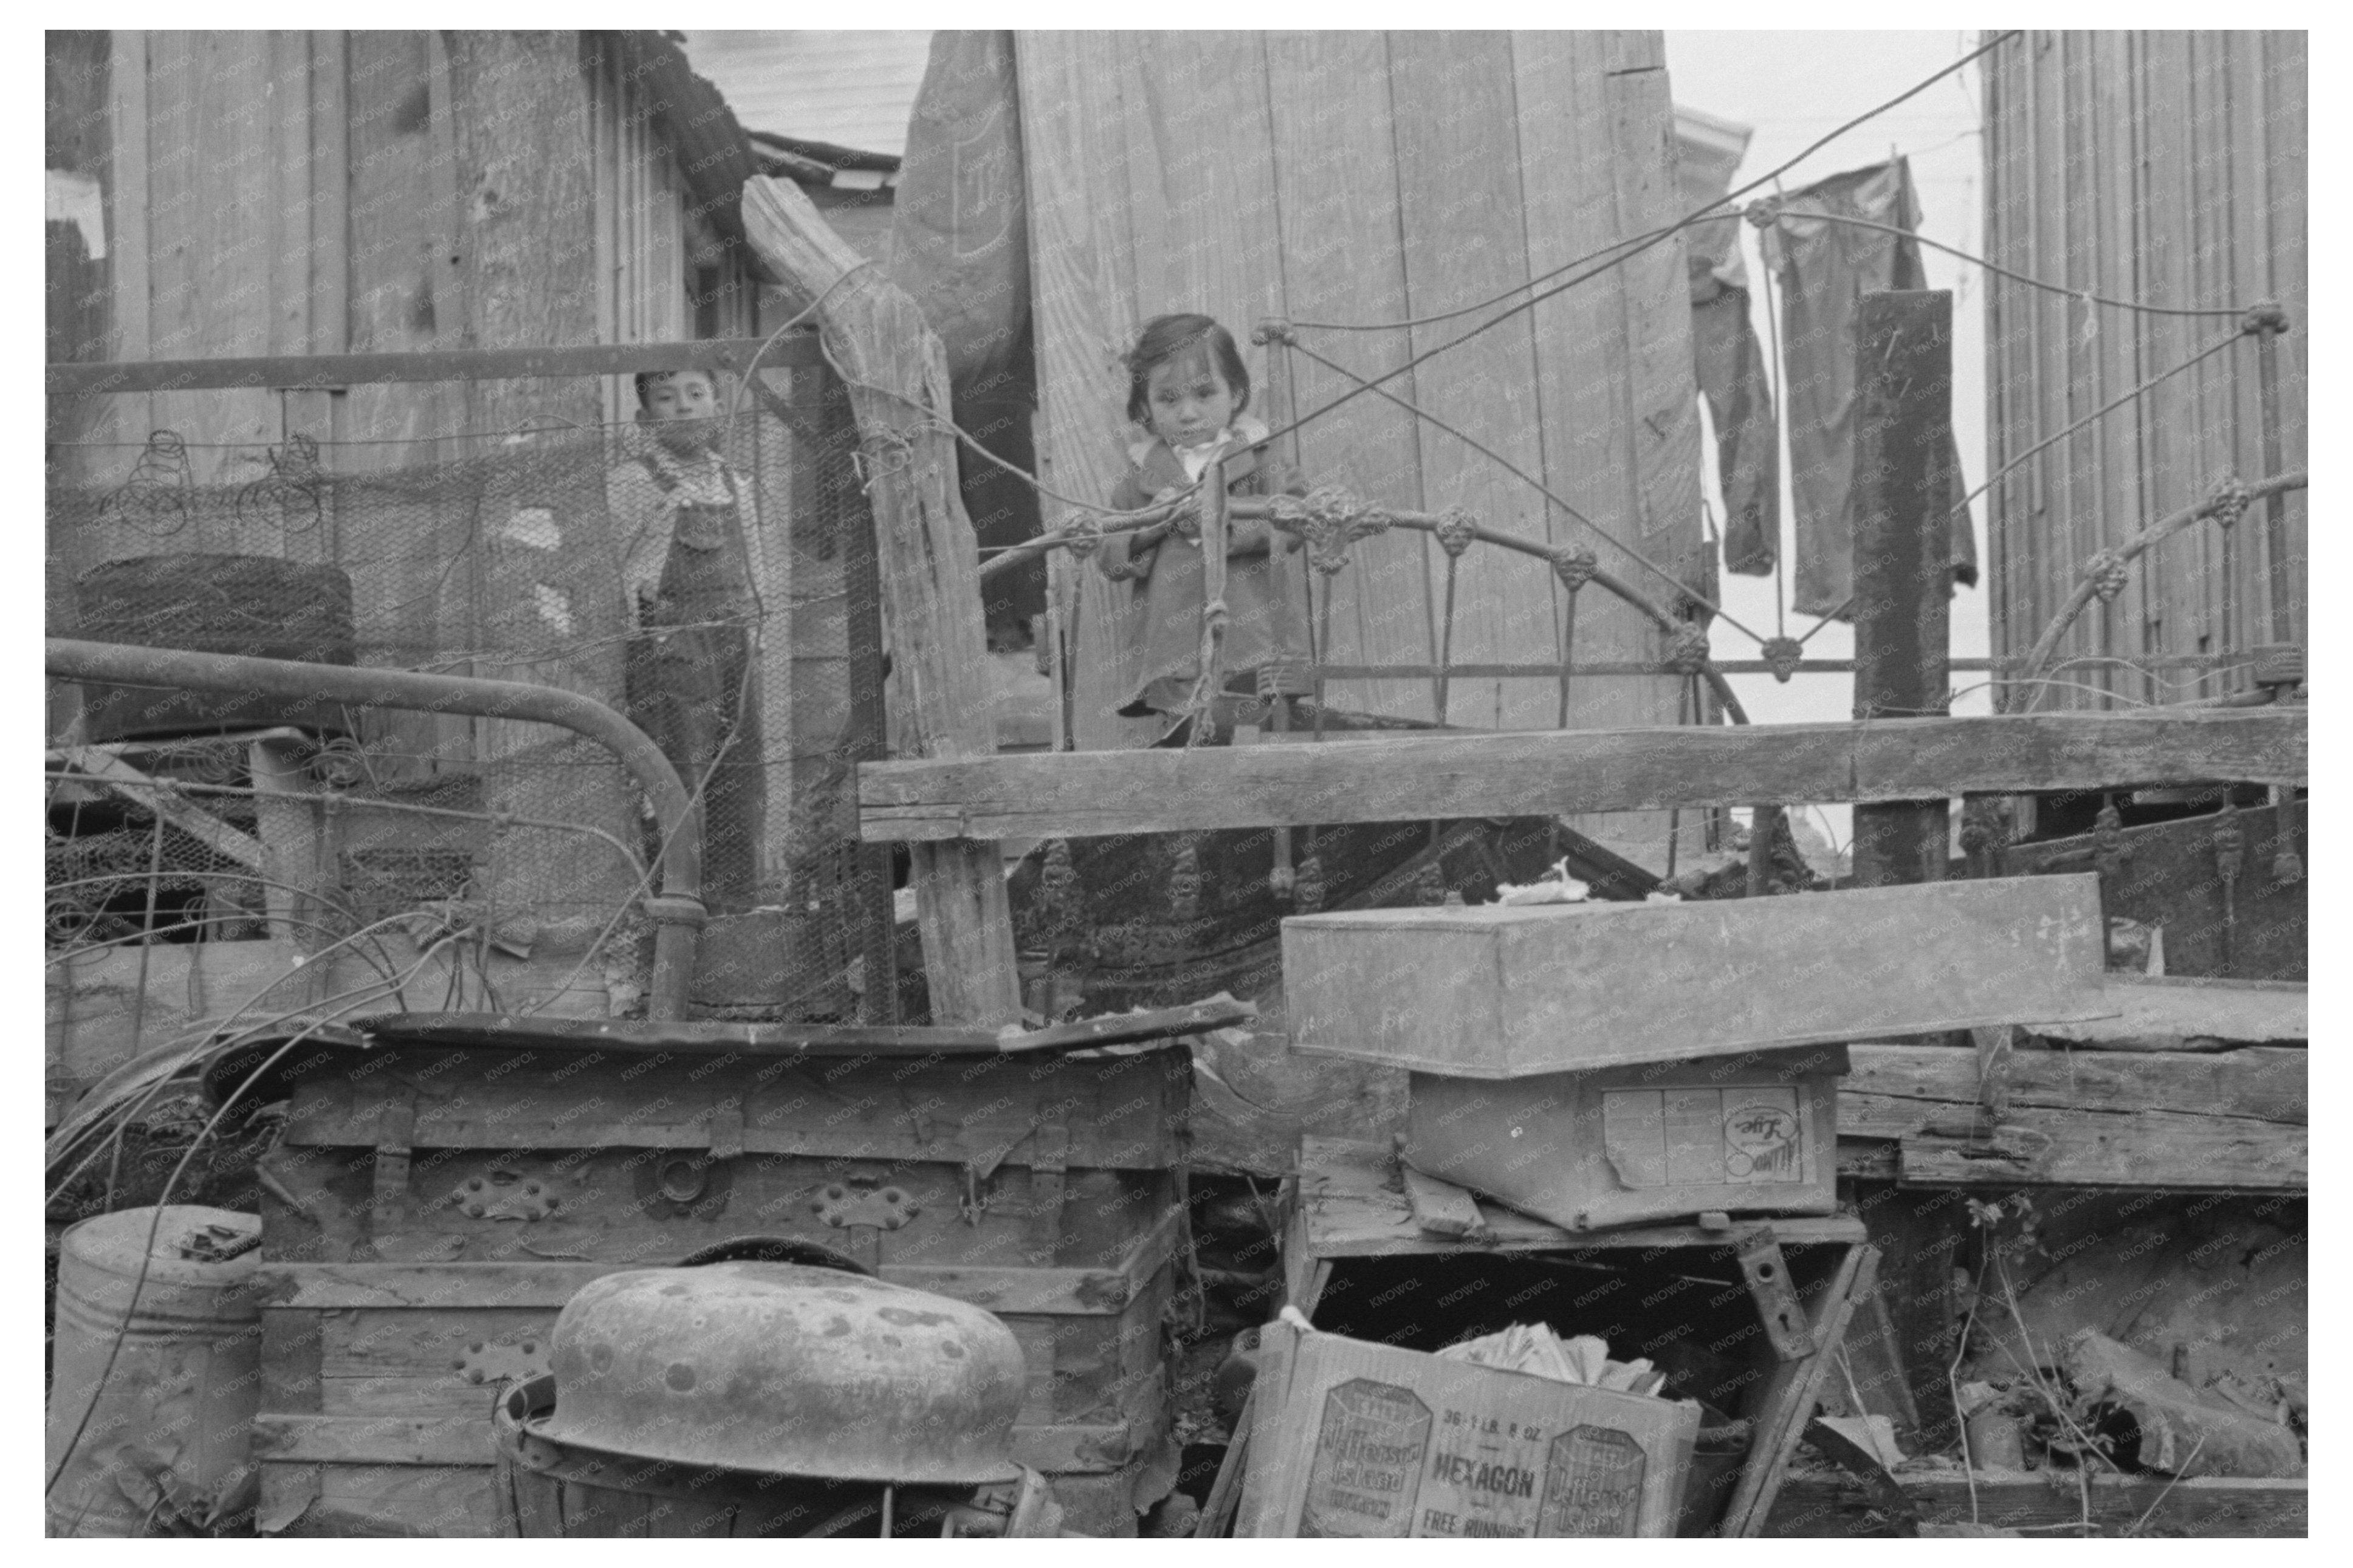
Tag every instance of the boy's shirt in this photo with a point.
(645, 513)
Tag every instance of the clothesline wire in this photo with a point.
(2209, 351)
(1640, 242)
(1998, 271)
(1533, 483)
(1631, 252)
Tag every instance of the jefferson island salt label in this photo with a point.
(1367, 1465)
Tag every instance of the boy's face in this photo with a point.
(1190, 402)
(674, 404)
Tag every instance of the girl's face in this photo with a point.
(1190, 402)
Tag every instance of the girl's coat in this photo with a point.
(1265, 601)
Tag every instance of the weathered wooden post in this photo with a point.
(1902, 565)
(898, 379)
(1902, 557)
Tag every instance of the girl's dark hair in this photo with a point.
(1165, 337)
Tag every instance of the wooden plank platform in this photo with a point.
(1089, 794)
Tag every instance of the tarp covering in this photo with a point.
(960, 246)
(1824, 268)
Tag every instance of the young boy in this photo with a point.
(689, 554)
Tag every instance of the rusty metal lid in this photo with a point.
(787, 1368)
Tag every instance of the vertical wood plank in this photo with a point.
(2244, 279)
(1464, 240)
(1902, 412)
(2285, 120)
(2210, 385)
(518, 127)
(1664, 415)
(210, 209)
(131, 415)
(2172, 451)
(2115, 365)
(1993, 106)
(1335, 183)
(390, 307)
(1074, 154)
(2075, 485)
(1566, 129)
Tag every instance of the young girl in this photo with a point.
(1187, 387)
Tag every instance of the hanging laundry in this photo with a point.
(1824, 268)
(1731, 371)
(1729, 366)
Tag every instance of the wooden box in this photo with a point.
(1495, 992)
(1358, 1439)
(432, 1206)
(1752, 1133)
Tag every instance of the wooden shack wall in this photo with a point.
(309, 192)
(1370, 178)
(2169, 168)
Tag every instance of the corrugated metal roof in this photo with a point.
(853, 87)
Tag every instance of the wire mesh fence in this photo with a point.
(552, 556)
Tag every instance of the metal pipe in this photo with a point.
(677, 910)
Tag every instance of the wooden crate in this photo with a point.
(1495, 992)
(1042, 1187)
(1353, 1209)
(1747, 1134)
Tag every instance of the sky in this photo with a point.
(1792, 87)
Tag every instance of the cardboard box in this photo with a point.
(1752, 1133)
(1352, 1439)
(1495, 992)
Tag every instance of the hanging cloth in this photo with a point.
(1730, 368)
(1824, 270)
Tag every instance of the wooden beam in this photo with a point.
(1904, 415)
(898, 379)
(794, 351)
(2180, 1013)
(2177, 1121)
(1085, 793)
(1813, 1506)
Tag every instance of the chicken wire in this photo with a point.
(500, 560)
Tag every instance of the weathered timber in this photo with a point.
(1904, 417)
(1815, 1505)
(2174, 1121)
(1786, 1403)
(898, 378)
(1082, 794)
(2189, 1014)
(1892, 1091)
(333, 371)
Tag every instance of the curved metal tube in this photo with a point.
(677, 912)
(2047, 644)
(1260, 509)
